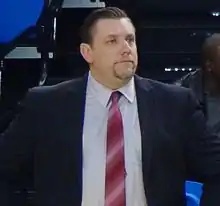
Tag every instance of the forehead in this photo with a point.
(116, 27)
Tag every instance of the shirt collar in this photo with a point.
(102, 93)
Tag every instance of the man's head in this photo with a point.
(109, 46)
(211, 56)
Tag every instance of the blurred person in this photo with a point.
(112, 138)
(205, 82)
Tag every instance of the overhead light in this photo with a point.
(215, 14)
(180, 69)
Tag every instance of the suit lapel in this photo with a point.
(145, 102)
(75, 102)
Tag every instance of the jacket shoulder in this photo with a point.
(45, 95)
(163, 88)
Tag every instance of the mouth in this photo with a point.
(125, 61)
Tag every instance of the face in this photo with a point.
(216, 63)
(113, 54)
(213, 66)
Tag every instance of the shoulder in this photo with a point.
(169, 95)
(57, 90)
(64, 86)
(162, 89)
(47, 96)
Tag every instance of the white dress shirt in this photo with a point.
(94, 144)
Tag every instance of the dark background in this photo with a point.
(170, 34)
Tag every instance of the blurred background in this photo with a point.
(170, 34)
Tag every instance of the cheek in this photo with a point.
(104, 62)
(99, 56)
(105, 58)
(135, 57)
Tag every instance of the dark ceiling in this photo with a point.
(167, 6)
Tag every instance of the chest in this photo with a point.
(95, 130)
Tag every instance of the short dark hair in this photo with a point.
(93, 17)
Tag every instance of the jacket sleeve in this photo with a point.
(17, 142)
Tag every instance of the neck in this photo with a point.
(212, 85)
(113, 84)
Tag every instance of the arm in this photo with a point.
(202, 153)
(17, 142)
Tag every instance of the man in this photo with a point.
(112, 138)
(205, 83)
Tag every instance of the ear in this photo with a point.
(86, 52)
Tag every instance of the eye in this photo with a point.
(111, 41)
(130, 40)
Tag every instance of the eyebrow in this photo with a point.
(116, 35)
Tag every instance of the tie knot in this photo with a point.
(115, 96)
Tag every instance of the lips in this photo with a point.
(126, 61)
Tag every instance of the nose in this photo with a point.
(126, 48)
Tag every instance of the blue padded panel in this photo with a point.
(18, 15)
(193, 193)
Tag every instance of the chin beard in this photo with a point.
(126, 75)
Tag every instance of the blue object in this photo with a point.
(16, 16)
(193, 193)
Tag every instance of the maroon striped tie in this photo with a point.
(115, 163)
